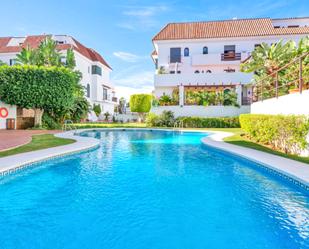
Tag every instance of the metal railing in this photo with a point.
(178, 124)
(68, 125)
(232, 56)
(285, 80)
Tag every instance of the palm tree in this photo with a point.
(48, 54)
(70, 59)
(266, 59)
(27, 56)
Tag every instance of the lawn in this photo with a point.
(47, 141)
(239, 140)
(38, 142)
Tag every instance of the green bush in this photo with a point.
(285, 133)
(50, 123)
(44, 89)
(197, 122)
(166, 119)
(97, 109)
(140, 103)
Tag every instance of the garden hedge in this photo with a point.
(287, 133)
(166, 119)
(197, 122)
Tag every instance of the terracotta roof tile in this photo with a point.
(226, 28)
(34, 41)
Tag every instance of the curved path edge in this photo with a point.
(13, 163)
(294, 171)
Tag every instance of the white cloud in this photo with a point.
(145, 11)
(129, 57)
(126, 92)
(142, 17)
(132, 80)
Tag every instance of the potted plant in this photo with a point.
(293, 89)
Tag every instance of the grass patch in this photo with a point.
(38, 142)
(238, 139)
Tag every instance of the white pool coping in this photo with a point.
(288, 168)
(12, 163)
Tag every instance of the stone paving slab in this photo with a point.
(10, 139)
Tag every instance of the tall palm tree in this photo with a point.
(48, 54)
(70, 59)
(266, 59)
(27, 56)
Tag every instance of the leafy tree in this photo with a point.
(38, 88)
(2, 63)
(140, 103)
(70, 59)
(97, 109)
(79, 110)
(27, 56)
(48, 54)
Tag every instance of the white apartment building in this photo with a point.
(207, 56)
(95, 70)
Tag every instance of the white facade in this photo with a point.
(95, 74)
(205, 62)
(296, 103)
(6, 112)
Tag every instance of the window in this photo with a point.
(179, 72)
(277, 27)
(175, 55)
(205, 50)
(197, 71)
(172, 72)
(156, 63)
(60, 42)
(12, 62)
(229, 49)
(96, 70)
(293, 26)
(88, 90)
(186, 52)
(88, 69)
(257, 45)
(104, 93)
(208, 71)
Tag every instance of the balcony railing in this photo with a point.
(231, 56)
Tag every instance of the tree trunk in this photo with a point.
(38, 113)
(141, 117)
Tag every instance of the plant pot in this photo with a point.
(296, 90)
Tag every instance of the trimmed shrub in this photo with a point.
(167, 119)
(284, 133)
(197, 122)
(140, 103)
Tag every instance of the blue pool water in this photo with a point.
(145, 189)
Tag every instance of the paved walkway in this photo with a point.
(14, 138)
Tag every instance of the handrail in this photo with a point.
(68, 125)
(272, 88)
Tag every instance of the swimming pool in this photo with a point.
(144, 189)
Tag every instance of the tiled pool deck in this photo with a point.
(292, 170)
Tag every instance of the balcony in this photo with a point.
(170, 80)
(231, 56)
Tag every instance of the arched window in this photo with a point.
(205, 50)
(88, 90)
(208, 71)
(186, 52)
(197, 71)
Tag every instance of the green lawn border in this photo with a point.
(38, 142)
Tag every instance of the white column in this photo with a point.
(239, 91)
(181, 95)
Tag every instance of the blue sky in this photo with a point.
(122, 30)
